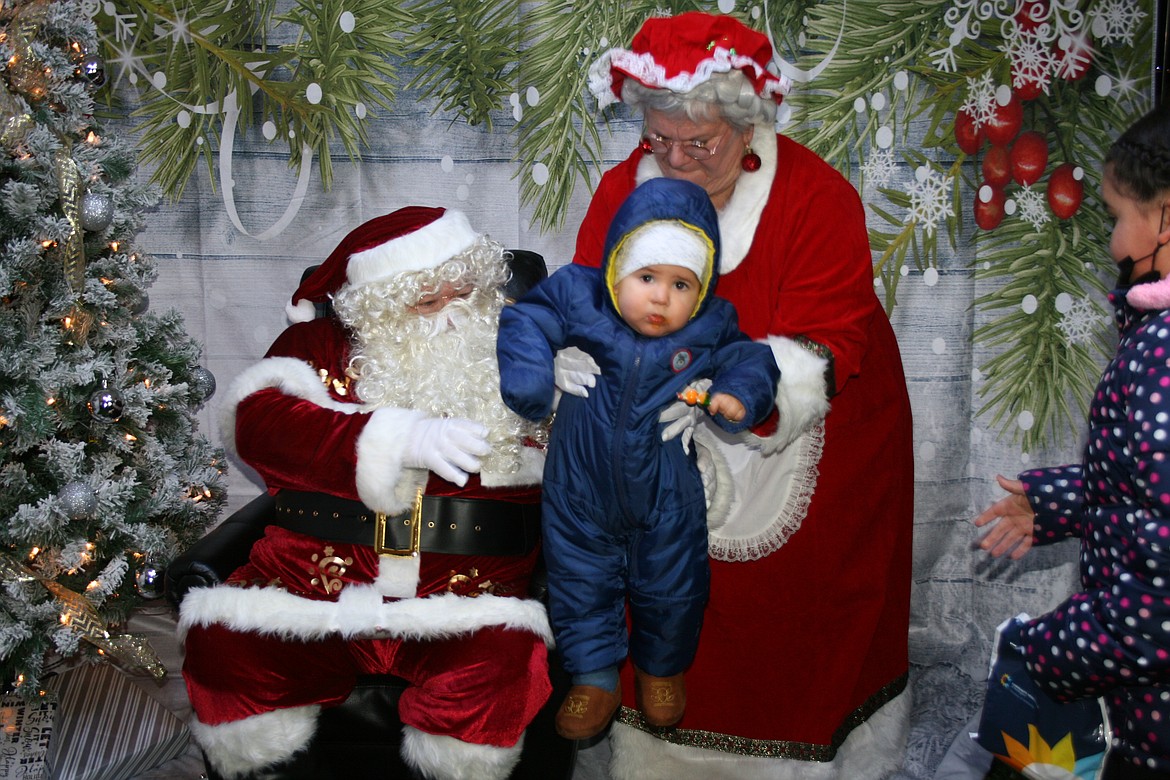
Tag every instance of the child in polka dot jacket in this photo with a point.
(1112, 639)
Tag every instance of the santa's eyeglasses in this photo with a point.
(436, 301)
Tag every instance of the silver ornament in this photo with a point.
(106, 404)
(149, 579)
(93, 70)
(97, 211)
(139, 304)
(204, 383)
(77, 500)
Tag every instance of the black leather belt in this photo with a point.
(441, 524)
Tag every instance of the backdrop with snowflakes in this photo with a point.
(973, 130)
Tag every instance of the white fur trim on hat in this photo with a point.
(420, 250)
(303, 310)
(664, 243)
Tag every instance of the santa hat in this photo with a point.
(665, 243)
(681, 52)
(415, 238)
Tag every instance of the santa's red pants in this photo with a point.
(483, 687)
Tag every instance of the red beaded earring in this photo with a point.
(751, 161)
(646, 146)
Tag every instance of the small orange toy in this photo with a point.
(693, 397)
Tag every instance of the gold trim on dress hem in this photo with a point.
(769, 748)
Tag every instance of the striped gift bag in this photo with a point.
(107, 728)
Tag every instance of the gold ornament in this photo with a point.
(69, 183)
(15, 121)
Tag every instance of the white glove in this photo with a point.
(681, 418)
(575, 371)
(448, 446)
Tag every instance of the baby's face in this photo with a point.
(658, 299)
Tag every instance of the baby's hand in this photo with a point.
(727, 405)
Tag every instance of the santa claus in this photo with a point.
(407, 522)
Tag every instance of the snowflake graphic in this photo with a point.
(1032, 59)
(1080, 322)
(125, 64)
(1114, 21)
(930, 199)
(879, 167)
(980, 103)
(180, 31)
(1077, 57)
(1033, 208)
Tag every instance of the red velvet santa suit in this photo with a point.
(290, 630)
(805, 635)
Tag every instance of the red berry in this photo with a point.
(967, 137)
(997, 169)
(1029, 157)
(1029, 89)
(1066, 190)
(1005, 122)
(989, 206)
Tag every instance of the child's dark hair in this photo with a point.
(1139, 161)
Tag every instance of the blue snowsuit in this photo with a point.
(624, 513)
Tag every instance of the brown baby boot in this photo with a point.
(661, 699)
(586, 711)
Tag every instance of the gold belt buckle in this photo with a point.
(415, 523)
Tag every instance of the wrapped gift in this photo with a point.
(108, 728)
(26, 728)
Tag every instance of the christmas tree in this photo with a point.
(103, 475)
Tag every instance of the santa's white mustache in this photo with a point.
(452, 317)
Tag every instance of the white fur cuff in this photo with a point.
(801, 398)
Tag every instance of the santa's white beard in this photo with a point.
(444, 364)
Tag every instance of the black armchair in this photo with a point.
(363, 734)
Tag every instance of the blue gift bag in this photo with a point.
(1032, 733)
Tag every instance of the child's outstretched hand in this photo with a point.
(720, 403)
(1013, 532)
(727, 405)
